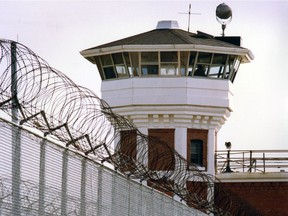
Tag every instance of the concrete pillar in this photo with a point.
(211, 145)
(181, 141)
(211, 151)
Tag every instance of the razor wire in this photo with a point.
(49, 101)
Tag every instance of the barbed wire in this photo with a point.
(48, 100)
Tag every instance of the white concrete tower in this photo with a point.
(173, 84)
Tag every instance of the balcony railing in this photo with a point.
(261, 161)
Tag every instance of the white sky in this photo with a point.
(58, 30)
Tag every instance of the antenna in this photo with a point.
(223, 16)
(189, 15)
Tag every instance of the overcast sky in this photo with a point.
(58, 30)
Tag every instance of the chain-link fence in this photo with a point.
(41, 177)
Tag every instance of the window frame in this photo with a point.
(184, 64)
(149, 65)
(197, 134)
(169, 65)
(198, 155)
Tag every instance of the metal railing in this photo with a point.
(261, 161)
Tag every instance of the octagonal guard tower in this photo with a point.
(172, 84)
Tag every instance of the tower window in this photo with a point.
(196, 152)
(169, 63)
(150, 64)
(149, 69)
(109, 72)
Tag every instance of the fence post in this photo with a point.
(16, 170)
(114, 207)
(64, 182)
(83, 187)
(141, 200)
(99, 192)
(41, 208)
(129, 197)
(14, 83)
(16, 136)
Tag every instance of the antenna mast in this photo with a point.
(189, 16)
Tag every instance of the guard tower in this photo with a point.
(172, 84)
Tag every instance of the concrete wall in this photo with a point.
(167, 90)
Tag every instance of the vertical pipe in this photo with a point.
(83, 187)
(16, 137)
(41, 210)
(64, 182)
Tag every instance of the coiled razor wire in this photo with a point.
(48, 100)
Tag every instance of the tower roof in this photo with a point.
(170, 39)
(168, 36)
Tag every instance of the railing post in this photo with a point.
(243, 161)
(228, 169)
(255, 166)
(264, 163)
(251, 162)
(215, 163)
